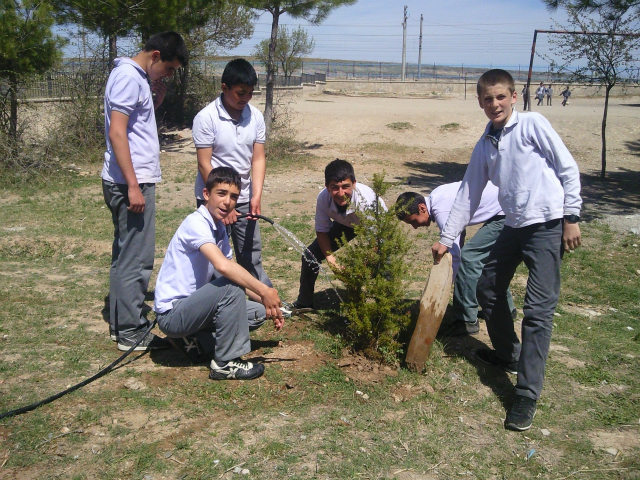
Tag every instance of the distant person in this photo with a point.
(539, 191)
(525, 96)
(129, 176)
(336, 209)
(540, 93)
(468, 257)
(566, 93)
(549, 93)
(200, 292)
(230, 132)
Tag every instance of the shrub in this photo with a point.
(373, 271)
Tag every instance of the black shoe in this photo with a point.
(236, 369)
(191, 348)
(458, 328)
(521, 414)
(491, 358)
(150, 342)
(301, 306)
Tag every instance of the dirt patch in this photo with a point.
(296, 356)
(623, 441)
(362, 369)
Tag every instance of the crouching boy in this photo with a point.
(468, 257)
(200, 291)
(539, 191)
(336, 208)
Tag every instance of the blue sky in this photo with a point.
(494, 32)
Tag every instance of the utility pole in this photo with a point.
(420, 48)
(404, 44)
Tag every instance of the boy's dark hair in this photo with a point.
(408, 203)
(239, 71)
(494, 77)
(170, 45)
(338, 171)
(223, 175)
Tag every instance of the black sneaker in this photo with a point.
(236, 369)
(491, 358)
(521, 414)
(300, 306)
(191, 348)
(458, 328)
(150, 342)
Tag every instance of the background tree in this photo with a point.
(27, 47)
(314, 11)
(610, 7)
(290, 50)
(610, 59)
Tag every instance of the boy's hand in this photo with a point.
(333, 263)
(136, 199)
(438, 250)
(231, 218)
(272, 303)
(254, 208)
(570, 236)
(160, 89)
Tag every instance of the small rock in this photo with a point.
(95, 449)
(629, 328)
(237, 470)
(215, 462)
(635, 245)
(613, 309)
(65, 430)
(290, 248)
(245, 471)
(453, 376)
(147, 477)
(545, 432)
(163, 151)
(134, 384)
(637, 272)
(611, 451)
(556, 314)
(168, 454)
(5, 337)
(303, 437)
(13, 229)
(70, 257)
(634, 231)
(461, 419)
(363, 450)
(588, 328)
(429, 389)
(365, 397)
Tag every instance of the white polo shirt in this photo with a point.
(327, 210)
(185, 269)
(128, 92)
(439, 204)
(232, 141)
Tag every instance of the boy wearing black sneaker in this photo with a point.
(539, 186)
(200, 291)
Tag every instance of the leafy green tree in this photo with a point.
(374, 272)
(314, 11)
(27, 47)
(290, 49)
(610, 7)
(610, 59)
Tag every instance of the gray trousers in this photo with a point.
(309, 271)
(247, 243)
(540, 247)
(132, 254)
(218, 315)
(473, 256)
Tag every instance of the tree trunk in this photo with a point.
(271, 66)
(113, 50)
(182, 94)
(604, 130)
(13, 116)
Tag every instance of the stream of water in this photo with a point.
(302, 249)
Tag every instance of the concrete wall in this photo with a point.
(454, 89)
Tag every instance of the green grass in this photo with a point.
(450, 126)
(185, 426)
(400, 126)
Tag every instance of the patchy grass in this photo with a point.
(400, 126)
(450, 126)
(305, 417)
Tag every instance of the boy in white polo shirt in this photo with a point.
(539, 191)
(131, 170)
(230, 132)
(200, 291)
(468, 260)
(336, 208)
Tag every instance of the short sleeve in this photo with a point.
(203, 131)
(260, 128)
(124, 95)
(323, 221)
(195, 234)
